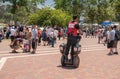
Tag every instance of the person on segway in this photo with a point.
(74, 32)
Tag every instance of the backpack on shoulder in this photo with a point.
(117, 35)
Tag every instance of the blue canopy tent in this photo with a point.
(106, 23)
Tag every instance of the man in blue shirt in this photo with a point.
(34, 39)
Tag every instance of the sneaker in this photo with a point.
(109, 54)
(52, 46)
(33, 52)
(39, 44)
(104, 44)
(116, 53)
(15, 52)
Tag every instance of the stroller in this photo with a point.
(26, 46)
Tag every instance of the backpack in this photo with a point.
(117, 35)
(21, 29)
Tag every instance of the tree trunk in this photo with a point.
(15, 18)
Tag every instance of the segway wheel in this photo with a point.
(76, 61)
(63, 60)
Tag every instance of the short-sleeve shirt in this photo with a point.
(112, 34)
(34, 33)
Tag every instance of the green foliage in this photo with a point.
(48, 16)
(117, 6)
(16, 4)
(92, 10)
(95, 10)
(71, 6)
(33, 19)
(22, 15)
(5, 15)
(37, 1)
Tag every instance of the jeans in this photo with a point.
(52, 42)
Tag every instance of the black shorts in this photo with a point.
(12, 38)
(110, 44)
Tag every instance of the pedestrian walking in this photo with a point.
(117, 36)
(34, 39)
(110, 40)
(39, 36)
(44, 37)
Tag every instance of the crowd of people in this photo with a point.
(34, 35)
(109, 36)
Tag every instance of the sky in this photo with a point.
(48, 3)
(4, 3)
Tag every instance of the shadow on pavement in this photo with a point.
(14, 52)
(70, 67)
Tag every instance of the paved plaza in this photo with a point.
(45, 64)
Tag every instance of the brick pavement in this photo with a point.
(95, 64)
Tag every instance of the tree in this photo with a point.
(19, 3)
(2, 11)
(5, 14)
(33, 19)
(100, 10)
(117, 6)
(15, 5)
(71, 6)
(47, 16)
(22, 15)
(93, 10)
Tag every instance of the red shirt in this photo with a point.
(71, 28)
(39, 33)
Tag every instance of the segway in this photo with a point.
(65, 61)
